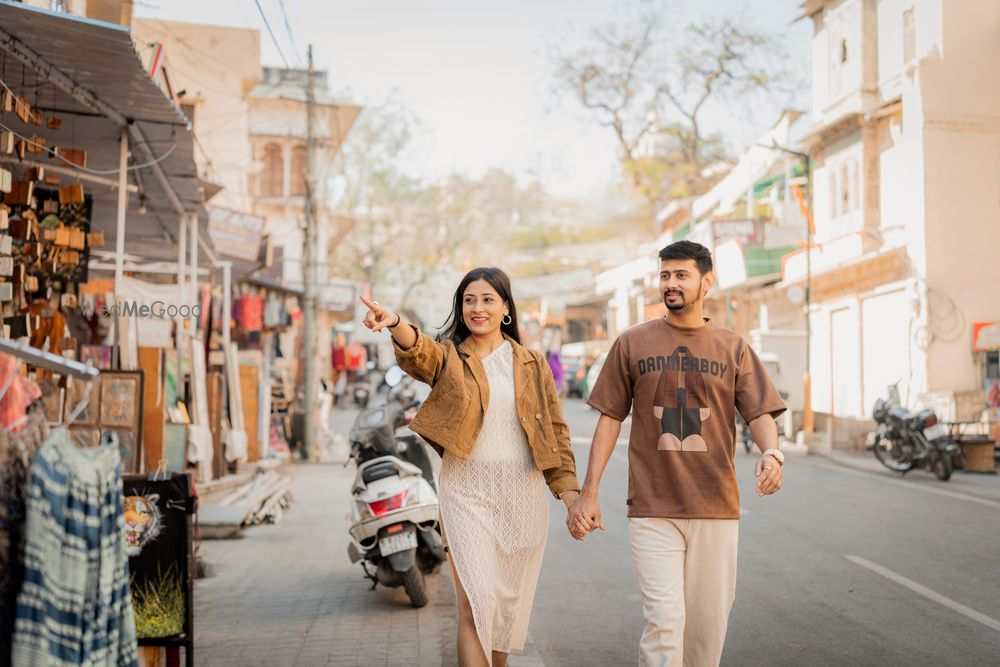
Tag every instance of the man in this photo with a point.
(683, 381)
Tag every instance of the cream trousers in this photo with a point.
(686, 569)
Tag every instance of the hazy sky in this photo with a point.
(477, 73)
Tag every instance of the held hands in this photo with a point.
(378, 318)
(768, 474)
(584, 514)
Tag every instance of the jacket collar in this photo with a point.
(521, 354)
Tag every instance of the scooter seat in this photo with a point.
(379, 471)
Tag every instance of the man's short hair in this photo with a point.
(689, 250)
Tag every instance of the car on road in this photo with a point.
(592, 373)
(575, 372)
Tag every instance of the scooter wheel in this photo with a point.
(415, 586)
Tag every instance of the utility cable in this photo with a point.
(274, 39)
(288, 29)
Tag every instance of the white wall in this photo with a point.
(901, 183)
(843, 29)
(889, 322)
(961, 137)
(819, 350)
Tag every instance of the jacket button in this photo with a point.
(538, 415)
(554, 449)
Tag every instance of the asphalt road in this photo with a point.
(839, 568)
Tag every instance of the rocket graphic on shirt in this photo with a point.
(681, 404)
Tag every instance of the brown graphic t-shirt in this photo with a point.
(683, 387)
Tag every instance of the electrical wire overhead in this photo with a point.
(270, 32)
(288, 29)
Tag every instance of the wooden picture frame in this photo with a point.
(99, 355)
(130, 448)
(121, 410)
(121, 399)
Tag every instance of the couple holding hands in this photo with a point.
(495, 417)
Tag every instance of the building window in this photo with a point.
(909, 35)
(845, 190)
(843, 52)
(833, 193)
(272, 175)
(855, 185)
(299, 167)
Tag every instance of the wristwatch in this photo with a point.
(777, 454)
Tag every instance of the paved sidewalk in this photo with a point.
(287, 594)
(979, 485)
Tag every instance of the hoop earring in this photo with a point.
(507, 319)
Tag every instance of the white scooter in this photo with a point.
(394, 509)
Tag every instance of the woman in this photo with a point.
(494, 415)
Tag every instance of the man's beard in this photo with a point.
(683, 304)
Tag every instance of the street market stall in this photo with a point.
(97, 179)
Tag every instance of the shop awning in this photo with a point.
(87, 74)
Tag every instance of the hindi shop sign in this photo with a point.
(235, 234)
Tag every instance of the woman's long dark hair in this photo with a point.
(455, 329)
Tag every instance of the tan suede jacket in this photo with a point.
(452, 416)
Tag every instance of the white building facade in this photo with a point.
(906, 183)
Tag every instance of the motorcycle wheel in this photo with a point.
(416, 588)
(942, 467)
(883, 452)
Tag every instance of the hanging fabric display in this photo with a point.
(74, 607)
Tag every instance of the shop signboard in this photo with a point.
(985, 336)
(744, 231)
(338, 296)
(235, 234)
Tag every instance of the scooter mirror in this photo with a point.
(394, 376)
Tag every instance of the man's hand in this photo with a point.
(585, 516)
(569, 498)
(377, 317)
(768, 474)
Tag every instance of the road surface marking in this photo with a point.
(957, 495)
(926, 592)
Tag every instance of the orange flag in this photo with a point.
(800, 198)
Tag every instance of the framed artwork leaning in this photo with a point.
(120, 410)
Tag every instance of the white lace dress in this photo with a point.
(496, 515)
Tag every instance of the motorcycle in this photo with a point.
(906, 440)
(394, 509)
(747, 437)
(361, 387)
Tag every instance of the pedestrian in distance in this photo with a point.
(682, 379)
(494, 416)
